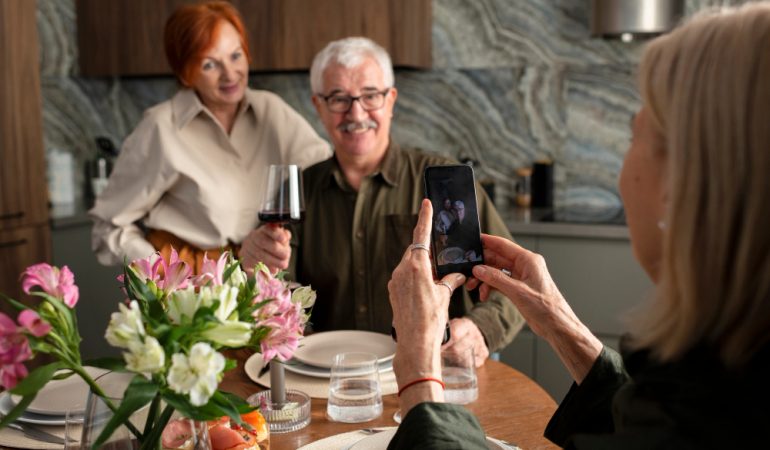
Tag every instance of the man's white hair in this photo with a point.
(349, 52)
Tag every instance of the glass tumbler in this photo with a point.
(354, 388)
(458, 369)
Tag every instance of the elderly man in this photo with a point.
(361, 207)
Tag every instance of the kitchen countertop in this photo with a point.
(566, 222)
(70, 215)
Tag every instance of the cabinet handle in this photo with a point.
(11, 216)
(18, 243)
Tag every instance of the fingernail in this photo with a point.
(480, 270)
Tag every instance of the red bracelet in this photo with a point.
(420, 380)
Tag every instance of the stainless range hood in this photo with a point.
(633, 19)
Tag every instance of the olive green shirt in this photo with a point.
(350, 242)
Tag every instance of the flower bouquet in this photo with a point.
(171, 328)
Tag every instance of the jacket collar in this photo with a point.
(389, 169)
(186, 106)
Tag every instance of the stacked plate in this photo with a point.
(52, 403)
(310, 369)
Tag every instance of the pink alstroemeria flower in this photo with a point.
(11, 374)
(283, 339)
(280, 303)
(30, 320)
(59, 283)
(176, 273)
(212, 271)
(146, 268)
(14, 350)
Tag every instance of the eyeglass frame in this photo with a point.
(353, 99)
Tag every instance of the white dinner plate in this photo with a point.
(319, 349)
(380, 441)
(59, 396)
(254, 365)
(323, 372)
(6, 405)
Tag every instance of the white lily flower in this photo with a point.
(183, 304)
(237, 277)
(304, 295)
(228, 300)
(196, 374)
(145, 357)
(125, 327)
(230, 334)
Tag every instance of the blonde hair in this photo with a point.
(707, 88)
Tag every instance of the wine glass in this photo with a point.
(284, 200)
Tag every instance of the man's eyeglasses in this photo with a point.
(369, 101)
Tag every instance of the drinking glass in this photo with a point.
(284, 200)
(354, 388)
(458, 370)
(73, 423)
(98, 414)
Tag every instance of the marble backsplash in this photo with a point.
(513, 81)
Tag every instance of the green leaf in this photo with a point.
(154, 436)
(228, 271)
(18, 305)
(17, 410)
(137, 288)
(230, 364)
(138, 394)
(28, 389)
(36, 379)
(112, 364)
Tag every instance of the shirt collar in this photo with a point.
(186, 106)
(389, 168)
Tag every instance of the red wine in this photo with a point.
(280, 217)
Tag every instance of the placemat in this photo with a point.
(314, 387)
(17, 439)
(338, 441)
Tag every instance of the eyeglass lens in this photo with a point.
(343, 103)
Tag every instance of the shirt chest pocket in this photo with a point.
(399, 229)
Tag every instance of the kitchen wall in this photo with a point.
(513, 81)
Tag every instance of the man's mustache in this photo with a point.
(354, 126)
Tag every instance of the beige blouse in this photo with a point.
(179, 171)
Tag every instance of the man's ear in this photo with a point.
(316, 102)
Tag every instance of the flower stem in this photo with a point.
(153, 437)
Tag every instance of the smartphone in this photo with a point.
(456, 236)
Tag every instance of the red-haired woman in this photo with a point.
(191, 174)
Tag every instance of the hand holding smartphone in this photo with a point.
(456, 236)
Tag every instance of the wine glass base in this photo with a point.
(292, 415)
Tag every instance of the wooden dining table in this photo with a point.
(510, 407)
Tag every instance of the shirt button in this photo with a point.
(360, 234)
(362, 309)
(361, 272)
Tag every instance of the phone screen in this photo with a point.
(456, 238)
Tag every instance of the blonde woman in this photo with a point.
(695, 369)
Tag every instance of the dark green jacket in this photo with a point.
(632, 403)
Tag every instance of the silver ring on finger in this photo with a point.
(419, 246)
(446, 285)
(506, 272)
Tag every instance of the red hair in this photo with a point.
(192, 29)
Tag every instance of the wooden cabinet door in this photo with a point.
(23, 189)
(20, 248)
(125, 37)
